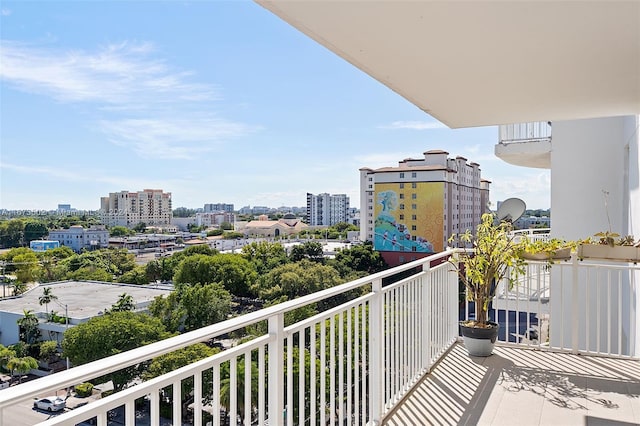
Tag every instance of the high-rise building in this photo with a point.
(410, 211)
(218, 207)
(327, 210)
(124, 208)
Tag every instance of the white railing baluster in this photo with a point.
(332, 370)
(350, 367)
(233, 390)
(340, 393)
(313, 379)
(197, 398)
(215, 401)
(154, 402)
(323, 373)
(261, 387)
(130, 412)
(276, 382)
(247, 388)
(176, 388)
(376, 353)
(301, 373)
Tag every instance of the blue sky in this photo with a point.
(212, 101)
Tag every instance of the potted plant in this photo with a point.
(609, 246)
(495, 256)
(548, 250)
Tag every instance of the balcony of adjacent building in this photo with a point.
(525, 144)
(384, 349)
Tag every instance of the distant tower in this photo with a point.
(326, 210)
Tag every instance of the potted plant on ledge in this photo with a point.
(609, 246)
(495, 256)
(548, 250)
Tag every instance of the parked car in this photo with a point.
(50, 403)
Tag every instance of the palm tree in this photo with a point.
(46, 298)
(21, 365)
(28, 324)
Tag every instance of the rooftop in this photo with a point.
(84, 299)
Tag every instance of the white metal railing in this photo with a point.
(352, 363)
(571, 306)
(521, 132)
(349, 364)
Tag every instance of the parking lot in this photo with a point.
(24, 414)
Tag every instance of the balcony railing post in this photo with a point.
(276, 370)
(574, 305)
(376, 354)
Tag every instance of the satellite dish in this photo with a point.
(511, 209)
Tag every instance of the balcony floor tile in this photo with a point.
(524, 387)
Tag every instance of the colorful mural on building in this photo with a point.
(409, 217)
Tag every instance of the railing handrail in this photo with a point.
(122, 360)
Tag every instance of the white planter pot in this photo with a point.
(606, 252)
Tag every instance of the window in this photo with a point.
(413, 227)
(414, 217)
(402, 175)
(401, 206)
(401, 196)
(414, 206)
(401, 216)
(414, 185)
(414, 196)
(402, 186)
(413, 174)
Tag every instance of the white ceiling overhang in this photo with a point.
(476, 63)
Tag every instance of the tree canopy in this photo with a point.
(310, 250)
(265, 255)
(297, 279)
(233, 271)
(111, 334)
(190, 307)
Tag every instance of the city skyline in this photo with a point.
(211, 101)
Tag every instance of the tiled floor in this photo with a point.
(524, 387)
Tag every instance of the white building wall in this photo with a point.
(587, 158)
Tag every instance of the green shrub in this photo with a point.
(84, 389)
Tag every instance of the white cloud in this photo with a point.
(77, 176)
(414, 125)
(173, 137)
(155, 105)
(5, 12)
(123, 73)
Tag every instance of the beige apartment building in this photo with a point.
(149, 206)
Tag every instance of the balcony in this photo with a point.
(385, 351)
(525, 144)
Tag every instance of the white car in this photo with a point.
(50, 403)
